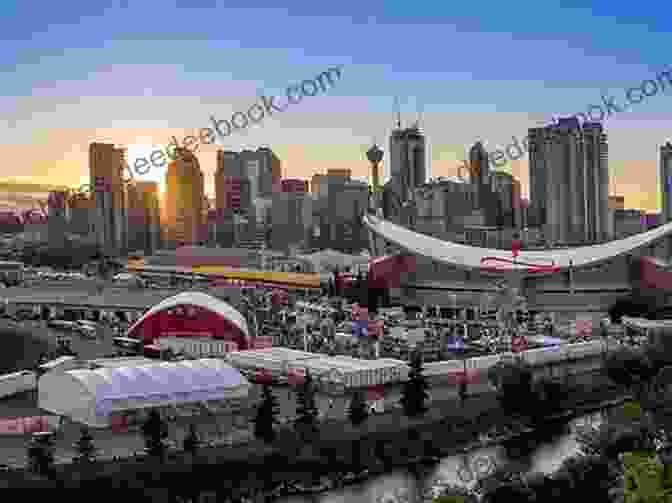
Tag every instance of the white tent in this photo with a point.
(91, 396)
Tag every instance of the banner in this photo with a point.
(119, 423)
(33, 424)
(471, 376)
(376, 328)
(584, 326)
(264, 376)
(376, 392)
(359, 312)
(296, 376)
(262, 342)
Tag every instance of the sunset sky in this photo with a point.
(142, 71)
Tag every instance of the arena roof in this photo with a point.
(470, 257)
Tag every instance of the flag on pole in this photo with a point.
(455, 343)
(518, 344)
(361, 328)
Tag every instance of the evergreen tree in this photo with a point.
(86, 451)
(414, 393)
(266, 417)
(41, 454)
(155, 431)
(358, 411)
(192, 441)
(306, 421)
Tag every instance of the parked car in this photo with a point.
(87, 331)
(62, 324)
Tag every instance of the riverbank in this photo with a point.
(336, 457)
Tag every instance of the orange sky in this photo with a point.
(59, 156)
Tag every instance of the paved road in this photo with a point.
(84, 347)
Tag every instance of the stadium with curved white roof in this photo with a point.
(527, 262)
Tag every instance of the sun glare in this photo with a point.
(153, 173)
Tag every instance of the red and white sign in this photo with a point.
(33, 424)
(376, 328)
(119, 422)
(472, 376)
(584, 327)
(296, 376)
(518, 344)
(262, 342)
(279, 296)
(375, 393)
(497, 264)
(360, 312)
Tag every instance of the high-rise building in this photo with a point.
(617, 202)
(56, 222)
(106, 166)
(144, 226)
(291, 220)
(82, 211)
(270, 171)
(666, 181)
(264, 169)
(407, 160)
(479, 171)
(231, 176)
(185, 196)
(569, 181)
(503, 184)
(315, 183)
(339, 214)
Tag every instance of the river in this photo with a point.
(535, 452)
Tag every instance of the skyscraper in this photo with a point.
(479, 164)
(407, 160)
(143, 216)
(56, 222)
(479, 171)
(569, 181)
(270, 171)
(185, 191)
(149, 200)
(106, 166)
(666, 181)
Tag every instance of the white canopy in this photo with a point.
(90, 396)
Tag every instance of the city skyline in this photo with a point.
(143, 89)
